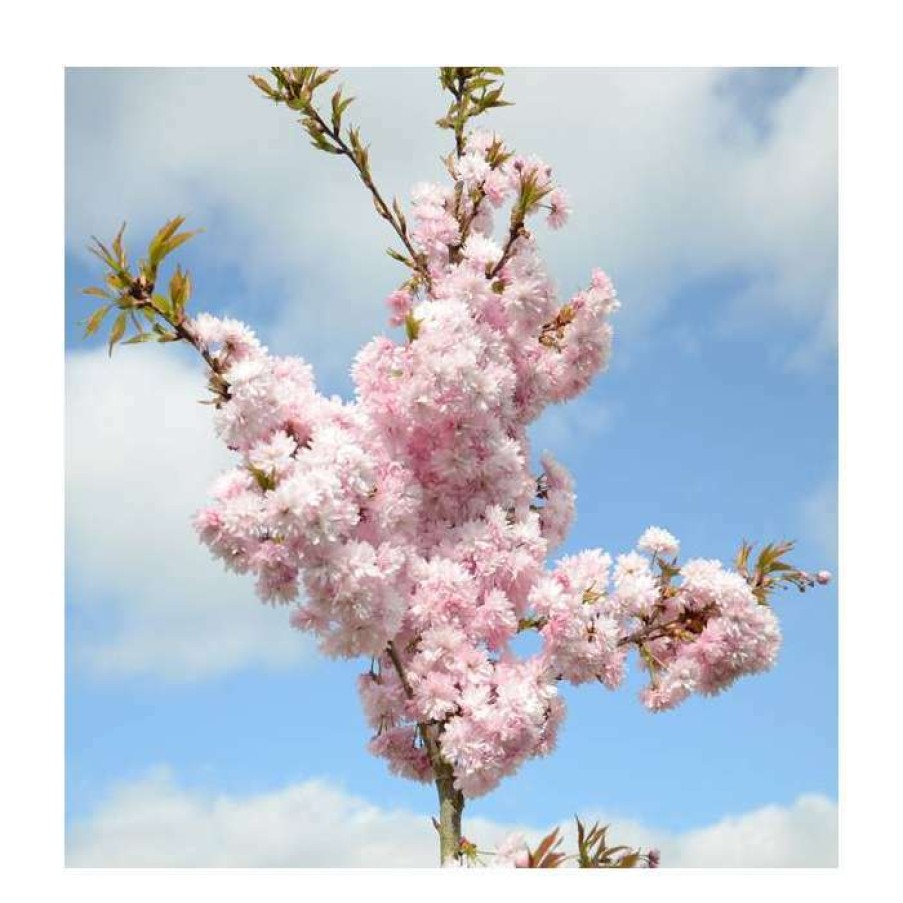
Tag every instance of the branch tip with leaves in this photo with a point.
(296, 88)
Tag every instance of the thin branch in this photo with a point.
(296, 88)
(399, 668)
(515, 231)
(382, 208)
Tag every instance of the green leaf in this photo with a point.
(322, 76)
(412, 327)
(339, 105)
(119, 248)
(118, 282)
(179, 289)
(164, 335)
(396, 255)
(99, 249)
(179, 240)
(264, 86)
(155, 249)
(167, 239)
(266, 481)
(117, 331)
(94, 321)
(162, 303)
(742, 559)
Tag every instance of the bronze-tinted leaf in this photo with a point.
(544, 849)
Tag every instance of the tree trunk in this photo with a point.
(451, 806)
(451, 801)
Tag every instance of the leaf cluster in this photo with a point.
(132, 292)
(546, 855)
(475, 90)
(593, 851)
(295, 87)
(771, 571)
(532, 192)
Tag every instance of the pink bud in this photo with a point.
(823, 577)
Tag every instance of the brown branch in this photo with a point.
(515, 231)
(382, 208)
(399, 668)
(458, 92)
(142, 292)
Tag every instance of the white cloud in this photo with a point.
(804, 834)
(563, 427)
(154, 822)
(819, 515)
(673, 181)
(140, 455)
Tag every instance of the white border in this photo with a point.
(862, 39)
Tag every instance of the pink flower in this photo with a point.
(657, 541)
(472, 169)
(512, 852)
(399, 303)
(481, 250)
(560, 208)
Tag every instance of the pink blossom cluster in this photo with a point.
(722, 633)
(407, 526)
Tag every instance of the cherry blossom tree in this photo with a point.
(406, 527)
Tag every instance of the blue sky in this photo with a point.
(711, 198)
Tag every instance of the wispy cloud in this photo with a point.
(572, 427)
(819, 517)
(155, 822)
